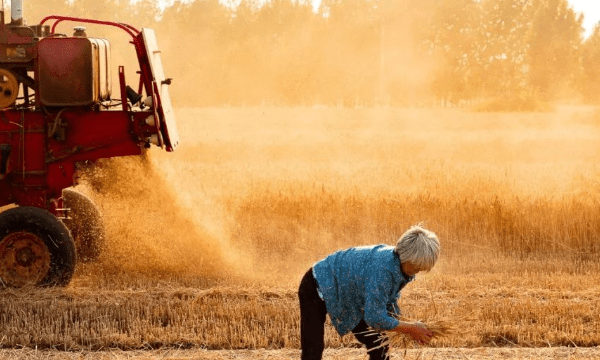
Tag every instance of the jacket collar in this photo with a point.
(406, 277)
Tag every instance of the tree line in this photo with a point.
(361, 52)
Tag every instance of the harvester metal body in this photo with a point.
(57, 110)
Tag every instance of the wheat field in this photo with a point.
(206, 245)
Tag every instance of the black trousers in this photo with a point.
(312, 324)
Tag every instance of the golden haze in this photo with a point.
(206, 245)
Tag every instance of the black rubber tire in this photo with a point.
(52, 232)
(85, 223)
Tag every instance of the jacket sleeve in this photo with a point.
(377, 289)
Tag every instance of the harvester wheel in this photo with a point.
(85, 223)
(36, 248)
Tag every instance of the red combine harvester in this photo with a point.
(56, 110)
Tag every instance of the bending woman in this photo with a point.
(359, 288)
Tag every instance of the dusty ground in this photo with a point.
(330, 354)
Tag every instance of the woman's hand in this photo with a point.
(417, 330)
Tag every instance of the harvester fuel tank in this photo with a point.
(73, 71)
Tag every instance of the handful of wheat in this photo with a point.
(439, 328)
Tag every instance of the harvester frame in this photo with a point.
(66, 116)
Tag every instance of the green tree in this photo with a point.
(503, 49)
(589, 82)
(554, 40)
(198, 39)
(292, 58)
(454, 41)
(353, 50)
(404, 68)
(35, 11)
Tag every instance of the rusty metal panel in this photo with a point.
(68, 71)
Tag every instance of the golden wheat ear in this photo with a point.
(441, 327)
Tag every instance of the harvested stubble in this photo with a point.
(535, 309)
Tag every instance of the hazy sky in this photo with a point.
(165, 3)
(590, 10)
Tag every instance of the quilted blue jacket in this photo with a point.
(361, 283)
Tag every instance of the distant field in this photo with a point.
(207, 244)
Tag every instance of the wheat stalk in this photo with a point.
(441, 327)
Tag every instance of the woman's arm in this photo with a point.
(418, 331)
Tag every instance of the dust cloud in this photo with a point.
(150, 230)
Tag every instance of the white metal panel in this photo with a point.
(104, 69)
(168, 124)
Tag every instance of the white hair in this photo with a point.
(420, 247)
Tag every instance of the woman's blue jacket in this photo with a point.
(361, 283)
